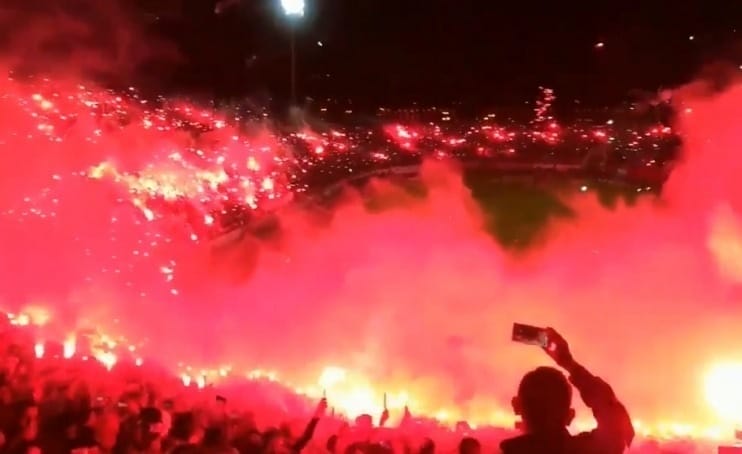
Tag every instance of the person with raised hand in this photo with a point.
(544, 402)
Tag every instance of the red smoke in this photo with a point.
(418, 298)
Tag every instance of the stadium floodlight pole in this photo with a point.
(294, 9)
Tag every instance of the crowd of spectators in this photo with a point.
(60, 405)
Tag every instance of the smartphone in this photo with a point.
(531, 335)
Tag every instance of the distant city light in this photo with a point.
(293, 7)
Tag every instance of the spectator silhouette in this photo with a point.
(469, 445)
(186, 434)
(277, 443)
(544, 403)
(27, 432)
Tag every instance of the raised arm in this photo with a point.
(614, 432)
(306, 437)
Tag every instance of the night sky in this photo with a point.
(432, 52)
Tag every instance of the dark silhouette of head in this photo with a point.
(428, 447)
(149, 427)
(184, 427)
(544, 400)
(469, 445)
(364, 422)
(214, 437)
(332, 443)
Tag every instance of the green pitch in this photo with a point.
(517, 209)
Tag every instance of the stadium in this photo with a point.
(230, 228)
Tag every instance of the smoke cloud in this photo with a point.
(416, 298)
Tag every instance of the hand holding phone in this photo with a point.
(547, 338)
(530, 335)
(558, 348)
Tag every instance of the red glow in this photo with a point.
(501, 135)
(600, 135)
(404, 136)
(647, 294)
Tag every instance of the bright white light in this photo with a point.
(724, 393)
(293, 7)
